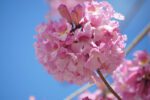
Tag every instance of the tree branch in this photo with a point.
(107, 84)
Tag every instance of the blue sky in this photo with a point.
(21, 75)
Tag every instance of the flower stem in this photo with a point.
(107, 84)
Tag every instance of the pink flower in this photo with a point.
(132, 80)
(141, 58)
(75, 45)
(54, 4)
(139, 81)
(100, 13)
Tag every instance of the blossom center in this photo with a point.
(74, 27)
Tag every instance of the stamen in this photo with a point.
(74, 27)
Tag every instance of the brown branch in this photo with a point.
(107, 84)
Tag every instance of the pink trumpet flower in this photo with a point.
(132, 79)
(84, 39)
(54, 4)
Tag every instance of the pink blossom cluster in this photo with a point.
(132, 78)
(86, 38)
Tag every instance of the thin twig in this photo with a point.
(138, 39)
(82, 89)
(107, 84)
